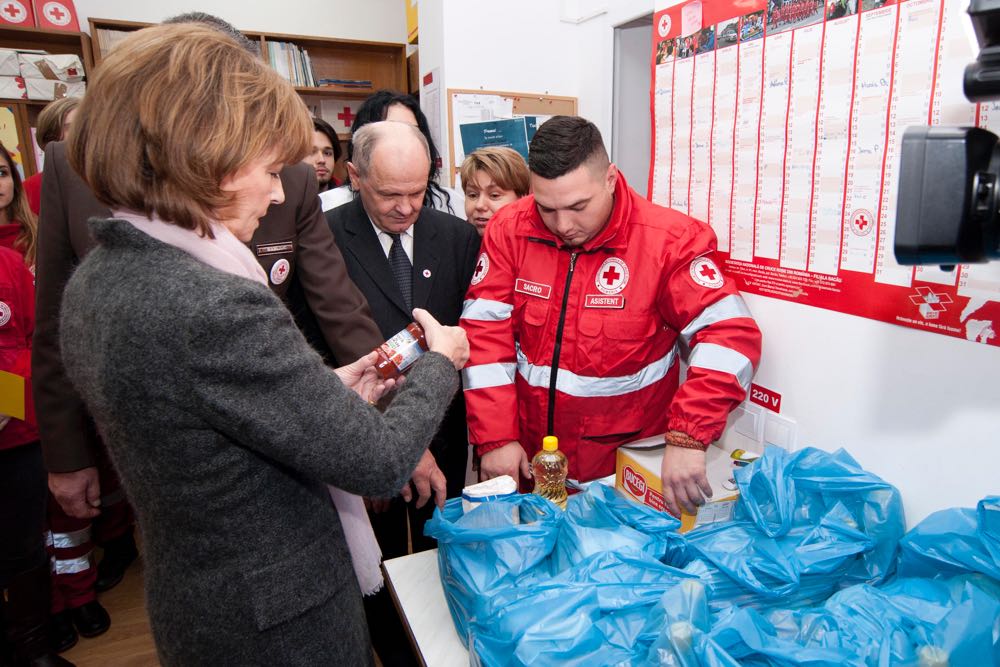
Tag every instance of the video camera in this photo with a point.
(948, 205)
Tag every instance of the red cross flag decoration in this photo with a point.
(340, 113)
(17, 12)
(56, 15)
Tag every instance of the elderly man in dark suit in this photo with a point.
(403, 255)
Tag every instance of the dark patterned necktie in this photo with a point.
(401, 269)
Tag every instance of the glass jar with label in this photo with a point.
(397, 354)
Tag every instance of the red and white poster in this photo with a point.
(779, 124)
(56, 15)
(17, 12)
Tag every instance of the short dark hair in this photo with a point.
(321, 125)
(219, 24)
(562, 144)
(376, 108)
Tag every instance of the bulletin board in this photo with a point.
(496, 104)
(779, 124)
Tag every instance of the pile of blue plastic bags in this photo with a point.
(815, 569)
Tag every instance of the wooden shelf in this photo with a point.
(382, 63)
(53, 41)
(26, 111)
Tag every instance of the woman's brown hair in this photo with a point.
(18, 212)
(504, 166)
(50, 120)
(171, 112)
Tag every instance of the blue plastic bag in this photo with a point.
(782, 491)
(502, 543)
(954, 541)
(602, 520)
(593, 613)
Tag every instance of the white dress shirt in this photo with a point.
(406, 238)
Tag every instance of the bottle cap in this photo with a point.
(550, 443)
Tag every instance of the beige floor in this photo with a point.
(128, 643)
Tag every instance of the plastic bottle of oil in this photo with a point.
(549, 467)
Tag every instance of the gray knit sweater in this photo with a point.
(224, 426)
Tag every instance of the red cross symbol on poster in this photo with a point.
(612, 276)
(56, 14)
(663, 27)
(15, 12)
(862, 222)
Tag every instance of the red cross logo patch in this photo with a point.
(14, 12)
(57, 13)
(706, 273)
(280, 271)
(862, 222)
(612, 276)
(4, 313)
(482, 268)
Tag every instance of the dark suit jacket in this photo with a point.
(293, 231)
(445, 251)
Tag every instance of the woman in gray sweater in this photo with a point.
(224, 425)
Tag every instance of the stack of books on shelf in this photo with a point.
(361, 84)
(291, 62)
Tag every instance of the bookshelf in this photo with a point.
(25, 112)
(383, 64)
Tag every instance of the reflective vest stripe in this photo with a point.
(486, 310)
(729, 308)
(71, 565)
(484, 376)
(70, 540)
(583, 386)
(723, 359)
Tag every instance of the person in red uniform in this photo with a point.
(584, 299)
(24, 567)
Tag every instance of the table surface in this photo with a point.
(416, 584)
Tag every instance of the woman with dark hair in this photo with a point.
(24, 567)
(390, 105)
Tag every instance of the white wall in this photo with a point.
(527, 48)
(919, 409)
(373, 20)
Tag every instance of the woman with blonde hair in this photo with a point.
(492, 177)
(54, 122)
(224, 425)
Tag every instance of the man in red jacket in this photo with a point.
(584, 297)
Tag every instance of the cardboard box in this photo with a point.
(17, 12)
(56, 66)
(56, 15)
(9, 64)
(12, 88)
(48, 90)
(637, 475)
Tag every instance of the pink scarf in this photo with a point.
(228, 254)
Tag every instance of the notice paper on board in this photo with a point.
(510, 133)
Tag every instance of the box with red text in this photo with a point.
(637, 475)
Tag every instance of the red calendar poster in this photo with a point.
(779, 123)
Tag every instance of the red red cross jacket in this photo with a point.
(584, 343)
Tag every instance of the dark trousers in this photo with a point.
(23, 492)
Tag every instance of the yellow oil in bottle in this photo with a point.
(549, 468)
